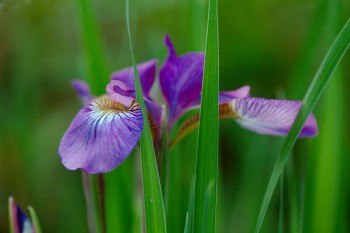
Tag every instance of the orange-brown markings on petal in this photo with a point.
(226, 110)
(152, 126)
(104, 103)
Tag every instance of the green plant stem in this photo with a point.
(92, 215)
(102, 200)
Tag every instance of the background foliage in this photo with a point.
(262, 43)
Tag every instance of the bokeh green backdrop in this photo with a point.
(263, 43)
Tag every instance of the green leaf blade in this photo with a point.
(316, 89)
(154, 208)
(207, 147)
(35, 220)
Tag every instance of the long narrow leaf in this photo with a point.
(316, 89)
(154, 209)
(207, 148)
(35, 220)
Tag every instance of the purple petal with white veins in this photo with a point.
(101, 136)
(181, 81)
(146, 71)
(269, 116)
(83, 91)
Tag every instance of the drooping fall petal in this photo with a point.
(264, 116)
(101, 136)
(269, 116)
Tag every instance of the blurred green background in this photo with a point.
(273, 46)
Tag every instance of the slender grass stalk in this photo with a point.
(154, 208)
(281, 210)
(97, 75)
(12, 220)
(189, 216)
(35, 220)
(164, 175)
(207, 147)
(102, 201)
(293, 197)
(316, 89)
(92, 212)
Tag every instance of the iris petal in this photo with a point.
(227, 96)
(146, 71)
(82, 90)
(181, 81)
(273, 117)
(101, 136)
(120, 92)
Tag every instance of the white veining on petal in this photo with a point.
(101, 136)
(269, 116)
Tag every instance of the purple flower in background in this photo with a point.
(19, 222)
(106, 130)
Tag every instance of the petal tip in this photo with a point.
(170, 46)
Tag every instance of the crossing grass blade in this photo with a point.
(207, 147)
(97, 75)
(154, 209)
(316, 89)
(35, 220)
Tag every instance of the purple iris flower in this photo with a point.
(106, 130)
(18, 220)
(181, 84)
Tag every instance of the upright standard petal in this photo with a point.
(273, 117)
(19, 222)
(101, 136)
(120, 92)
(83, 91)
(146, 71)
(181, 81)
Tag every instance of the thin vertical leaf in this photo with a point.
(281, 210)
(92, 209)
(189, 216)
(97, 76)
(295, 203)
(35, 220)
(12, 217)
(207, 147)
(154, 209)
(316, 89)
